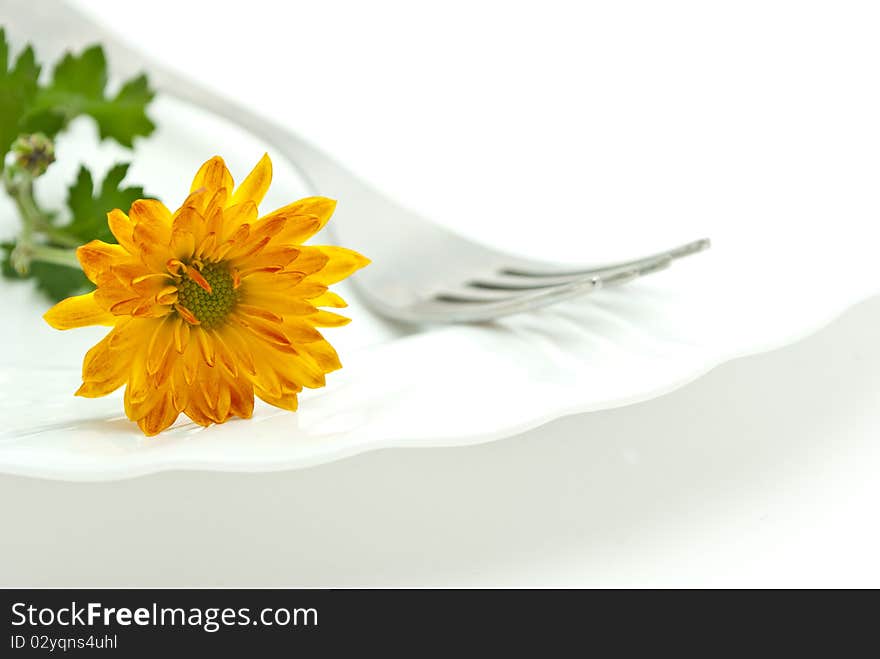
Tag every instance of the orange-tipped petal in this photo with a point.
(168, 295)
(176, 267)
(186, 314)
(197, 277)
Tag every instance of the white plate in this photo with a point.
(444, 386)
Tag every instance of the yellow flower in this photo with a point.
(211, 304)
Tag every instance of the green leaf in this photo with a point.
(78, 87)
(82, 77)
(56, 281)
(89, 209)
(124, 117)
(18, 88)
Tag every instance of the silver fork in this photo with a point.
(475, 283)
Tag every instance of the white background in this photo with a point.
(762, 473)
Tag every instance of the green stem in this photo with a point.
(34, 220)
(23, 194)
(59, 236)
(56, 255)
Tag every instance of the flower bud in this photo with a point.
(33, 153)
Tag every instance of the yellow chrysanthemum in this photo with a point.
(210, 304)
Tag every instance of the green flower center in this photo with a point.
(210, 308)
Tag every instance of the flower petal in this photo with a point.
(121, 227)
(212, 176)
(104, 368)
(160, 344)
(79, 311)
(269, 332)
(187, 229)
(300, 331)
(215, 202)
(271, 259)
(279, 301)
(241, 398)
(286, 401)
(205, 343)
(254, 187)
(151, 211)
(328, 299)
(309, 260)
(302, 219)
(233, 217)
(323, 354)
(179, 387)
(97, 256)
(234, 340)
(225, 355)
(199, 408)
(341, 263)
(161, 415)
(152, 233)
(328, 319)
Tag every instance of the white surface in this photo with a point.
(693, 116)
(788, 257)
(441, 386)
(763, 473)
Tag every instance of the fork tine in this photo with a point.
(468, 304)
(522, 282)
(461, 306)
(560, 274)
(488, 298)
(482, 291)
